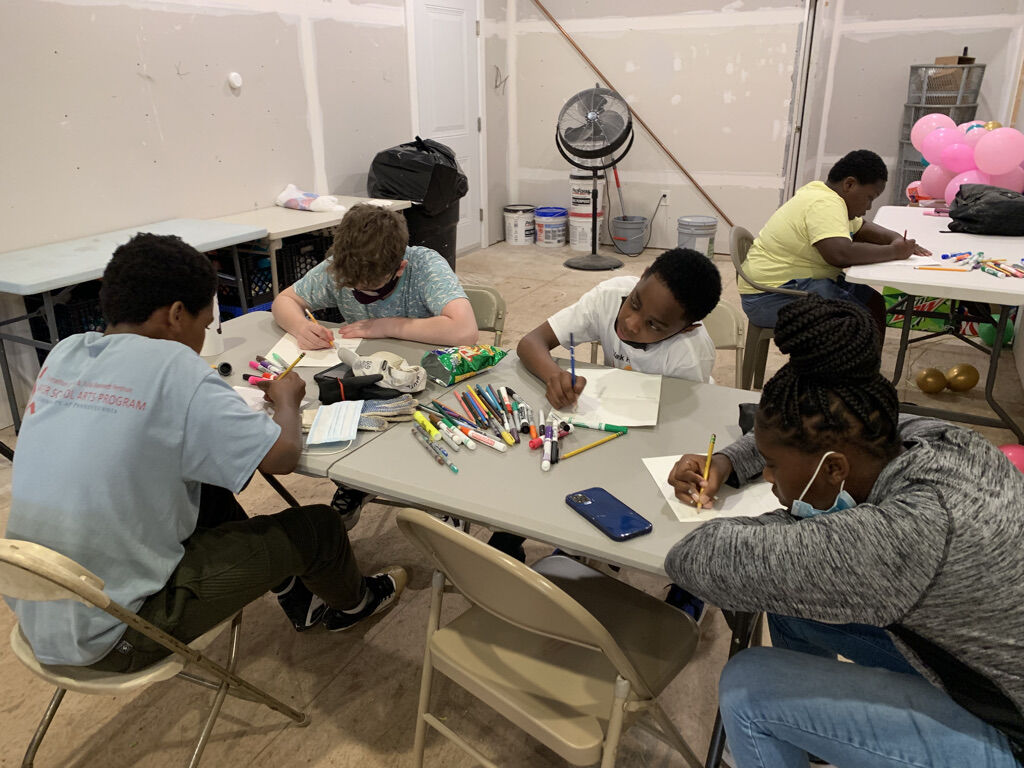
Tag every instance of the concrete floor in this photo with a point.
(361, 687)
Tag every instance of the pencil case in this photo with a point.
(451, 365)
(337, 383)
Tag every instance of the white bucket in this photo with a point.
(579, 232)
(581, 187)
(698, 233)
(519, 227)
(551, 224)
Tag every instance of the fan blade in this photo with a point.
(576, 135)
(613, 124)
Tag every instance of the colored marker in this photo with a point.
(294, 363)
(466, 408)
(260, 367)
(432, 432)
(989, 271)
(426, 444)
(553, 427)
(545, 462)
(490, 442)
(279, 359)
(600, 425)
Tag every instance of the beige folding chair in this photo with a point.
(755, 357)
(489, 309)
(727, 327)
(566, 653)
(30, 571)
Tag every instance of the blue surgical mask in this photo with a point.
(844, 500)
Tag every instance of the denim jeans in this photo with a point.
(778, 705)
(762, 309)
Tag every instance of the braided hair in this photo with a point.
(831, 389)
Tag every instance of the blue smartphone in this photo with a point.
(613, 518)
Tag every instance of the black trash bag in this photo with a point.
(980, 209)
(424, 171)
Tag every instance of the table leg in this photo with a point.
(901, 355)
(12, 400)
(51, 318)
(238, 280)
(742, 627)
(273, 246)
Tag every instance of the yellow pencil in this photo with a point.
(944, 269)
(587, 447)
(310, 316)
(289, 368)
(707, 464)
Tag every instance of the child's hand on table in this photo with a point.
(687, 478)
(314, 336)
(285, 390)
(560, 391)
(375, 328)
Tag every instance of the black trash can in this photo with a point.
(426, 172)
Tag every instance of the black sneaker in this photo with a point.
(349, 503)
(304, 609)
(384, 588)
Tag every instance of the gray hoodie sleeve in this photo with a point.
(866, 564)
(747, 462)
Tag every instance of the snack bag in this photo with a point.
(451, 365)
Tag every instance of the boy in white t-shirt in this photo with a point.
(649, 324)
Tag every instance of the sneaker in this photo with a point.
(304, 609)
(349, 503)
(382, 591)
(686, 602)
(456, 522)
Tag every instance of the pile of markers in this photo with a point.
(506, 416)
(269, 369)
(967, 261)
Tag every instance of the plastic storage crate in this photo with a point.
(297, 256)
(76, 310)
(945, 84)
(252, 286)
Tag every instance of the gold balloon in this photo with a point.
(991, 125)
(931, 380)
(962, 377)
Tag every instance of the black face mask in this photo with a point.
(636, 344)
(368, 297)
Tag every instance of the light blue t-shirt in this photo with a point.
(424, 289)
(119, 435)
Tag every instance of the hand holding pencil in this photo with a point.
(687, 478)
(312, 335)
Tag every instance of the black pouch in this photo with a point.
(338, 383)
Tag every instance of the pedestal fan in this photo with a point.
(592, 127)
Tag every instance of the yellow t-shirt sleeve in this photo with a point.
(825, 219)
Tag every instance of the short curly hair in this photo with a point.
(369, 245)
(153, 271)
(692, 278)
(862, 164)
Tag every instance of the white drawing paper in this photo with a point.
(750, 501)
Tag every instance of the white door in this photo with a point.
(447, 94)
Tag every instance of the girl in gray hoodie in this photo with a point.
(900, 547)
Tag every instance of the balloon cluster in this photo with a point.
(977, 152)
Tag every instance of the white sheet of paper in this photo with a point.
(288, 349)
(253, 397)
(613, 396)
(750, 501)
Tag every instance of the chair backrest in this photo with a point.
(727, 326)
(30, 571)
(512, 591)
(488, 308)
(740, 241)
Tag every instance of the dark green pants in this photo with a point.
(230, 560)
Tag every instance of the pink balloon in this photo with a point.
(935, 179)
(973, 136)
(1015, 453)
(964, 127)
(969, 177)
(1014, 180)
(999, 151)
(926, 125)
(957, 158)
(936, 141)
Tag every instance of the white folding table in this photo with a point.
(46, 268)
(975, 286)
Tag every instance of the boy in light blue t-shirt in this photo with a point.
(383, 288)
